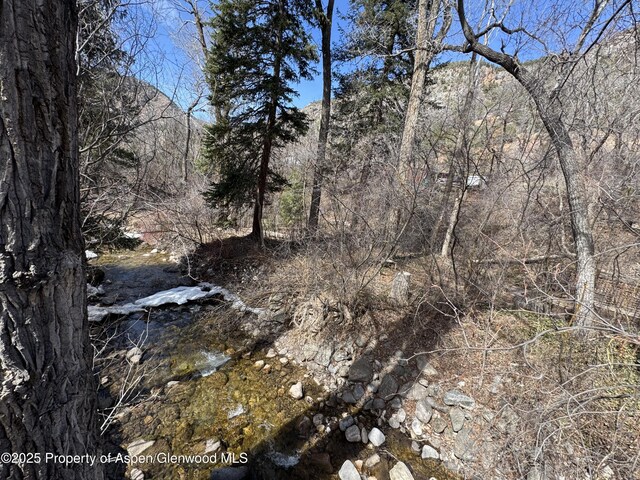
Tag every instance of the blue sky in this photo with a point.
(172, 67)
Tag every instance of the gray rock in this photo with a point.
(388, 386)
(134, 355)
(429, 452)
(231, 473)
(364, 436)
(136, 448)
(136, 474)
(464, 445)
(340, 355)
(318, 419)
(396, 403)
(348, 397)
(345, 423)
(309, 351)
(352, 434)
(415, 447)
(343, 371)
(416, 427)
(323, 357)
(400, 472)
(423, 411)
(401, 415)
(376, 437)
(424, 367)
(271, 353)
(348, 471)
(457, 399)
(212, 445)
(393, 422)
(378, 404)
(358, 391)
(296, 391)
(457, 419)
(439, 424)
(372, 461)
(400, 289)
(361, 370)
(417, 392)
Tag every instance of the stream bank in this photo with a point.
(282, 399)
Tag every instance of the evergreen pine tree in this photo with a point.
(260, 49)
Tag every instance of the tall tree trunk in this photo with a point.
(427, 46)
(550, 111)
(461, 160)
(257, 232)
(325, 119)
(47, 400)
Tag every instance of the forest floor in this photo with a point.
(456, 391)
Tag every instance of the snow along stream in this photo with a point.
(177, 296)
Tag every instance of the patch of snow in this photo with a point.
(212, 362)
(90, 254)
(178, 295)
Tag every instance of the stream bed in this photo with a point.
(188, 399)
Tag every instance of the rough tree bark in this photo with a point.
(427, 46)
(47, 398)
(325, 20)
(549, 109)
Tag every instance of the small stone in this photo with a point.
(267, 368)
(346, 422)
(259, 364)
(271, 353)
(424, 367)
(378, 404)
(429, 452)
(372, 461)
(284, 360)
(211, 445)
(296, 391)
(388, 386)
(318, 418)
(358, 391)
(394, 423)
(400, 471)
(136, 474)
(136, 448)
(358, 464)
(376, 437)
(134, 355)
(415, 447)
(423, 411)
(417, 392)
(323, 357)
(457, 419)
(396, 403)
(455, 398)
(464, 445)
(348, 397)
(348, 471)
(309, 351)
(416, 427)
(361, 370)
(364, 436)
(352, 434)
(439, 425)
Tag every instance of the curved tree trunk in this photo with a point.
(550, 112)
(47, 399)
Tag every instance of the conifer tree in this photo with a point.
(260, 49)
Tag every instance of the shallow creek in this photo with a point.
(196, 389)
